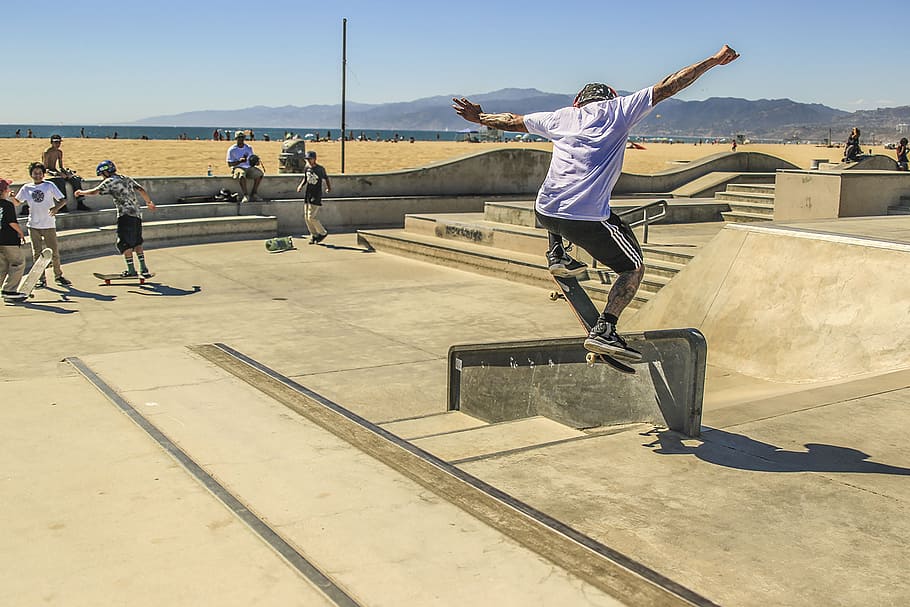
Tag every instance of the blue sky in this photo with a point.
(87, 62)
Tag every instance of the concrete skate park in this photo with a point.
(402, 416)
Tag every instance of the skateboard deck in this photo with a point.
(108, 278)
(277, 245)
(28, 284)
(587, 315)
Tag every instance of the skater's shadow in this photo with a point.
(338, 247)
(72, 291)
(156, 289)
(741, 452)
(45, 307)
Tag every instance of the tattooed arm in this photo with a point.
(674, 83)
(504, 122)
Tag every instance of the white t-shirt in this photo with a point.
(40, 198)
(588, 148)
(235, 153)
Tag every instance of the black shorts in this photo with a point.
(129, 232)
(611, 242)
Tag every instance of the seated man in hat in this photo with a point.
(60, 175)
(244, 167)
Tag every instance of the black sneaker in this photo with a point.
(319, 238)
(128, 274)
(14, 296)
(41, 284)
(603, 339)
(562, 265)
(145, 273)
(63, 281)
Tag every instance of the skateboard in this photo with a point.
(28, 284)
(276, 245)
(107, 278)
(587, 315)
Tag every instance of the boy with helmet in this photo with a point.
(123, 190)
(589, 140)
(44, 200)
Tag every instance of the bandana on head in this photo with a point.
(595, 91)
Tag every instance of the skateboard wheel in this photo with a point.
(591, 358)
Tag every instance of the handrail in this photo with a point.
(646, 219)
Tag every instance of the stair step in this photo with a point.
(432, 425)
(759, 188)
(741, 217)
(498, 438)
(753, 197)
(753, 207)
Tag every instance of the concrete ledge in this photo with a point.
(93, 242)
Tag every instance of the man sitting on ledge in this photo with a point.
(239, 157)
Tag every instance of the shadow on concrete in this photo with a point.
(44, 307)
(344, 248)
(737, 451)
(71, 291)
(156, 289)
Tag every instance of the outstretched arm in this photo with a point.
(674, 83)
(504, 122)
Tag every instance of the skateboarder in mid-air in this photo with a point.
(589, 140)
(123, 190)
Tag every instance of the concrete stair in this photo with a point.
(748, 202)
(502, 242)
(93, 233)
(901, 208)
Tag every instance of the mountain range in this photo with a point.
(773, 119)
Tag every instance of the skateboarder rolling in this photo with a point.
(589, 140)
(123, 190)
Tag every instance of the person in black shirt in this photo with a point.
(12, 261)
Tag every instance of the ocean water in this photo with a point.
(74, 131)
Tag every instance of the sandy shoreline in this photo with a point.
(140, 158)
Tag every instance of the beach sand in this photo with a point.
(138, 158)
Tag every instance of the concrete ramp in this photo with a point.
(499, 382)
(797, 303)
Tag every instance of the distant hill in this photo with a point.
(715, 117)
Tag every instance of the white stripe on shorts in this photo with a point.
(624, 244)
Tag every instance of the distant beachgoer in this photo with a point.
(123, 190)
(82, 132)
(589, 141)
(902, 155)
(239, 158)
(313, 179)
(44, 199)
(18, 132)
(29, 134)
(852, 149)
(59, 174)
(734, 144)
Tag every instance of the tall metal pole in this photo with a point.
(344, 66)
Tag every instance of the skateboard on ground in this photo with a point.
(107, 278)
(277, 245)
(587, 315)
(28, 284)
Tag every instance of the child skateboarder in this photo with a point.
(123, 190)
(12, 261)
(44, 200)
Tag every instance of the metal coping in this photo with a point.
(322, 582)
(613, 572)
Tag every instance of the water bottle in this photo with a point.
(209, 173)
